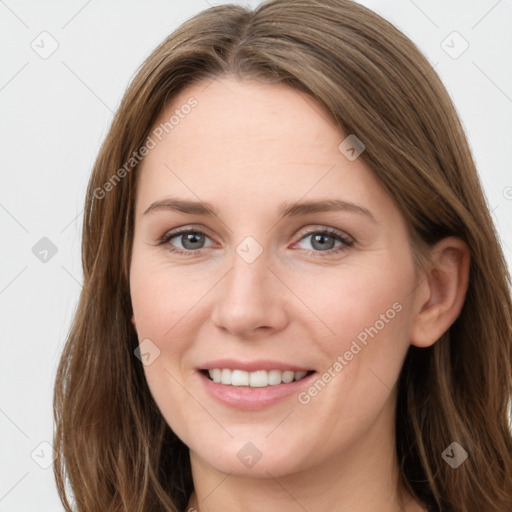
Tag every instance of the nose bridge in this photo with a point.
(248, 299)
(248, 283)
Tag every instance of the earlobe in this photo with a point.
(447, 283)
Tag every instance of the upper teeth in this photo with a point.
(258, 379)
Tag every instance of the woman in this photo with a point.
(294, 297)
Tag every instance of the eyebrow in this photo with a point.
(285, 210)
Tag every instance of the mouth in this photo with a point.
(253, 385)
(254, 379)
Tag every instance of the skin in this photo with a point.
(246, 148)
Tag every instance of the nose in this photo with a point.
(251, 300)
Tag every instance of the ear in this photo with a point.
(133, 323)
(445, 285)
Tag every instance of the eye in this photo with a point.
(186, 241)
(325, 241)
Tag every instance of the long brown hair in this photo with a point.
(115, 451)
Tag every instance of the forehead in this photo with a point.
(250, 141)
(248, 114)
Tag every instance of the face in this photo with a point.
(269, 260)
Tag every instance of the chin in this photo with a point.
(255, 459)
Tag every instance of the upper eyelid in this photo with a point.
(182, 230)
(329, 230)
(303, 233)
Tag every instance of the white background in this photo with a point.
(54, 113)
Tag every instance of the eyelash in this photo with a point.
(346, 241)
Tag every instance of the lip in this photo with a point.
(253, 399)
(252, 366)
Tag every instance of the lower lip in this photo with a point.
(247, 398)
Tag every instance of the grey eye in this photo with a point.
(190, 240)
(321, 241)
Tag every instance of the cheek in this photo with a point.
(162, 296)
(162, 299)
(166, 304)
(366, 309)
(351, 300)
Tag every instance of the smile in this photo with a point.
(255, 379)
(253, 384)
